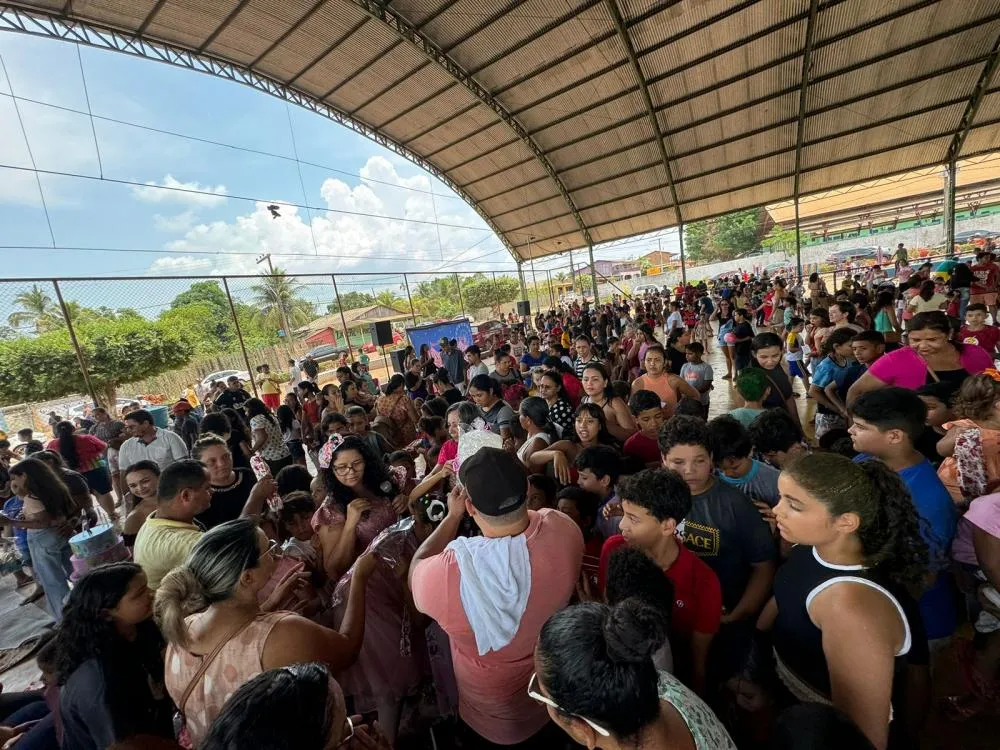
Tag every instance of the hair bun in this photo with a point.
(633, 631)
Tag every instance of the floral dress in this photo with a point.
(393, 658)
(705, 727)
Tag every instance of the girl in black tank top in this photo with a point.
(840, 617)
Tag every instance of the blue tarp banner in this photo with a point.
(431, 334)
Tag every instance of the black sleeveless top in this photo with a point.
(798, 643)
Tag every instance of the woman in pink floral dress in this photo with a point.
(364, 500)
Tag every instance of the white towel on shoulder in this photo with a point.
(494, 583)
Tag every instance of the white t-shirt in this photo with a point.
(674, 320)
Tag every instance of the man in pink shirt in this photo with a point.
(492, 594)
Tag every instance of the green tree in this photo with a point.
(117, 351)
(351, 301)
(38, 310)
(739, 232)
(481, 293)
(201, 326)
(724, 238)
(779, 240)
(387, 298)
(203, 292)
(277, 298)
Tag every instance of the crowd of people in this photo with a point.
(547, 543)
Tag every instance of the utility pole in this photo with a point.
(281, 306)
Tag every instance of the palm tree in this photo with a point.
(37, 310)
(277, 296)
(387, 298)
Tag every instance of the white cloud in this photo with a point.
(181, 264)
(172, 190)
(177, 223)
(348, 240)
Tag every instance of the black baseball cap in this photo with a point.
(496, 481)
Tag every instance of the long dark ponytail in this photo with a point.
(889, 531)
(67, 444)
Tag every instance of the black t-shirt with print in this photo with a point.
(743, 330)
(726, 531)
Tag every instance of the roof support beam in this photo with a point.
(654, 123)
(430, 19)
(788, 175)
(975, 100)
(322, 56)
(149, 17)
(801, 125)
(380, 10)
(803, 89)
(291, 30)
(739, 107)
(569, 55)
(445, 51)
(361, 69)
(222, 26)
(731, 165)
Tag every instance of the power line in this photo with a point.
(353, 256)
(222, 144)
(193, 191)
(31, 156)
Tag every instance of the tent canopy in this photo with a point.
(567, 123)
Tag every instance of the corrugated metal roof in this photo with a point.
(567, 122)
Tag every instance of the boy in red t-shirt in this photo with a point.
(975, 330)
(985, 274)
(647, 409)
(653, 502)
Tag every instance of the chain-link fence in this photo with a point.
(68, 343)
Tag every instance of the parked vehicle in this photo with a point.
(327, 352)
(643, 289)
(224, 375)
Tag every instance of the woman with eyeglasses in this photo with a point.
(595, 675)
(299, 706)
(549, 385)
(365, 497)
(220, 636)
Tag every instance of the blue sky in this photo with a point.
(112, 228)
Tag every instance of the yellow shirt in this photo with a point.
(565, 339)
(162, 545)
(192, 397)
(269, 385)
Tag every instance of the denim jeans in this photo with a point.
(50, 562)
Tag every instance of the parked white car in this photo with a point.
(224, 375)
(642, 289)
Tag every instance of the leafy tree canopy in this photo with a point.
(117, 351)
(724, 238)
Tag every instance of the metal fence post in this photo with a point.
(461, 300)
(496, 291)
(593, 274)
(413, 313)
(76, 346)
(680, 237)
(239, 335)
(548, 280)
(343, 320)
(798, 240)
